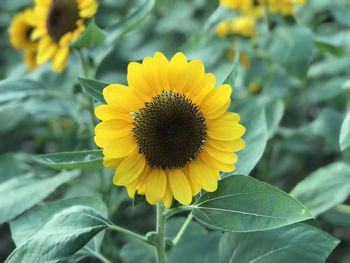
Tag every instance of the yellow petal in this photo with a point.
(123, 97)
(235, 145)
(111, 163)
(180, 186)
(177, 72)
(46, 50)
(114, 128)
(129, 169)
(155, 71)
(195, 76)
(155, 186)
(216, 102)
(60, 59)
(207, 85)
(203, 175)
(214, 163)
(131, 188)
(222, 156)
(138, 81)
(224, 130)
(195, 187)
(109, 112)
(119, 147)
(168, 197)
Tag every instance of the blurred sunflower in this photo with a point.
(20, 32)
(168, 133)
(58, 23)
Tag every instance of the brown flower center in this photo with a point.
(170, 130)
(62, 18)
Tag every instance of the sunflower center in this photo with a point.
(62, 18)
(170, 130)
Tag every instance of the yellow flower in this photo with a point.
(58, 24)
(243, 25)
(168, 133)
(283, 7)
(246, 7)
(223, 29)
(20, 32)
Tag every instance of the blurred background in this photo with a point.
(294, 67)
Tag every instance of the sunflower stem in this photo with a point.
(130, 233)
(84, 63)
(160, 235)
(176, 210)
(183, 229)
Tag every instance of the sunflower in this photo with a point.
(168, 133)
(20, 32)
(58, 24)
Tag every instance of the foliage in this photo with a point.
(291, 89)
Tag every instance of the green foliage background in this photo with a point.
(298, 139)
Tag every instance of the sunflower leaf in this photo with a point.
(125, 25)
(71, 160)
(244, 204)
(25, 191)
(306, 243)
(344, 139)
(31, 221)
(325, 188)
(93, 36)
(94, 88)
(62, 236)
(231, 78)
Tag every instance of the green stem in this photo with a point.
(130, 233)
(160, 235)
(84, 63)
(183, 229)
(176, 210)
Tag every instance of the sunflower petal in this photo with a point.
(204, 176)
(180, 186)
(129, 169)
(155, 186)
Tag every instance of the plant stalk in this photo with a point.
(130, 233)
(160, 235)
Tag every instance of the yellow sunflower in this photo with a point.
(58, 24)
(168, 133)
(20, 32)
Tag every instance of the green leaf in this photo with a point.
(327, 125)
(25, 191)
(295, 243)
(244, 204)
(324, 188)
(338, 216)
(253, 119)
(292, 48)
(31, 221)
(16, 89)
(231, 78)
(72, 160)
(93, 36)
(344, 139)
(12, 165)
(11, 115)
(94, 88)
(326, 46)
(197, 250)
(125, 25)
(62, 236)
